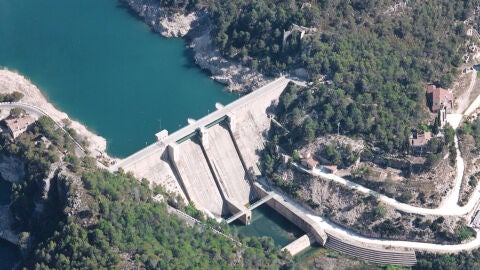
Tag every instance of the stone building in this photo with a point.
(17, 126)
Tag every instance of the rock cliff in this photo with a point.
(197, 26)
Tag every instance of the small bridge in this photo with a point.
(253, 206)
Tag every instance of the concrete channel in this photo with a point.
(196, 178)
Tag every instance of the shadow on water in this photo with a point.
(267, 222)
(190, 55)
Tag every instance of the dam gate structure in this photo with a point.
(213, 163)
(211, 172)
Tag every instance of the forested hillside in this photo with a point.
(377, 56)
(127, 229)
(72, 215)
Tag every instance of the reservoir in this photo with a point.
(103, 66)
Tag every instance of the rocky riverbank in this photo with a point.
(14, 82)
(197, 26)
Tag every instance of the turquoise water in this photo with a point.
(105, 68)
(267, 222)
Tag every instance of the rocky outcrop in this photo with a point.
(12, 169)
(161, 21)
(235, 76)
(232, 74)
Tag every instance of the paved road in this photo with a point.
(347, 234)
(156, 148)
(38, 112)
(448, 207)
(343, 233)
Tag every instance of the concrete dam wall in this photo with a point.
(227, 165)
(247, 131)
(213, 170)
(197, 180)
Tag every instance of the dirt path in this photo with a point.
(476, 102)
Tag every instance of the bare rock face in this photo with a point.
(235, 76)
(168, 25)
(177, 25)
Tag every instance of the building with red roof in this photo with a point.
(438, 98)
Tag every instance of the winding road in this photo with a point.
(448, 207)
(38, 112)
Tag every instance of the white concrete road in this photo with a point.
(448, 207)
(343, 233)
(348, 235)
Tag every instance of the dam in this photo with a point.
(213, 163)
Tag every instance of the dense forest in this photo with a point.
(376, 57)
(92, 219)
(127, 229)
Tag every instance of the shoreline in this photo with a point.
(195, 28)
(11, 81)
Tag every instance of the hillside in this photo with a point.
(69, 214)
(370, 60)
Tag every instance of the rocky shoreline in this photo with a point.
(196, 26)
(13, 82)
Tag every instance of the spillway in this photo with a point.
(198, 181)
(248, 134)
(227, 166)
